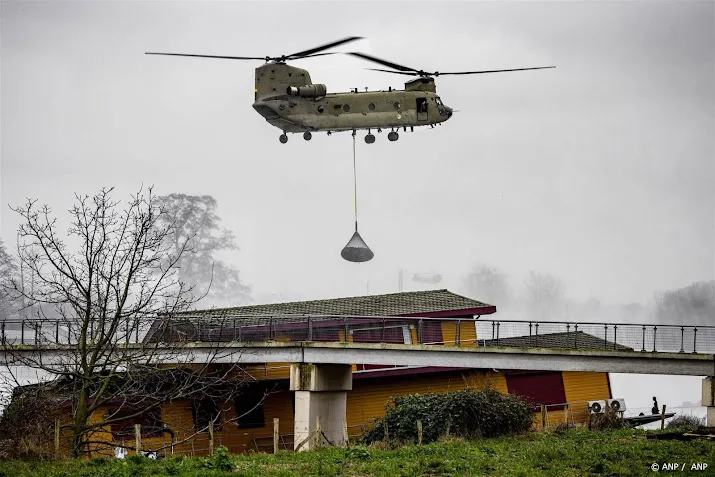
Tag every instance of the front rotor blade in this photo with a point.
(492, 71)
(317, 49)
(389, 64)
(212, 56)
(408, 73)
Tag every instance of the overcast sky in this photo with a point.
(600, 171)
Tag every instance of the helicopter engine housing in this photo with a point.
(308, 91)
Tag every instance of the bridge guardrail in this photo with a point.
(374, 329)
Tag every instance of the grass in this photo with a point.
(571, 453)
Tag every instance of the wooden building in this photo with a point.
(247, 423)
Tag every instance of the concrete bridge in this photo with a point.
(323, 348)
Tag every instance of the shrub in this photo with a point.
(608, 420)
(465, 413)
(686, 422)
(27, 428)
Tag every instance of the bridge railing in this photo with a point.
(377, 329)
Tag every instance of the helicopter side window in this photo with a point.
(422, 105)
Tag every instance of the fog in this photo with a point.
(599, 172)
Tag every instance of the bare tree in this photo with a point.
(196, 222)
(8, 270)
(694, 304)
(489, 284)
(96, 292)
(544, 295)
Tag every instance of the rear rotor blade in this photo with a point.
(317, 49)
(491, 71)
(389, 64)
(212, 56)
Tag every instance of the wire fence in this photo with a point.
(372, 329)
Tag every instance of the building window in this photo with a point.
(204, 411)
(249, 411)
(346, 108)
(371, 107)
(151, 423)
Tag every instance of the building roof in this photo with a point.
(428, 303)
(566, 340)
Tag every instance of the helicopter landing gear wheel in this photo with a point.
(370, 138)
(393, 136)
(283, 138)
(307, 136)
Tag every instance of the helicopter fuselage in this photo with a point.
(288, 100)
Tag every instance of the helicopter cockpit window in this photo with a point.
(438, 101)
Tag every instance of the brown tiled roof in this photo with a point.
(393, 304)
(566, 340)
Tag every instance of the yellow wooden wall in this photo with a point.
(584, 386)
(467, 333)
(369, 397)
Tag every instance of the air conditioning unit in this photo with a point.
(618, 405)
(597, 407)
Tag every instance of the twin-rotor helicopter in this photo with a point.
(287, 98)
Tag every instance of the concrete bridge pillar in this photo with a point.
(709, 400)
(321, 391)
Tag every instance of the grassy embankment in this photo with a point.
(571, 453)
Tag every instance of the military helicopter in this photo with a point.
(287, 98)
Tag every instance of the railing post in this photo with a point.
(493, 325)
(457, 335)
(3, 332)
(383, 331)
(537, 335)
(615, 337)
(271, 330)
(310, 328)
(420, 325)
(22, 332)
(695, 339)
(605, 336)
(682, 339)
(575, 336)
(530, 325)
(498, 325)
(57, 332)
(655, 329)
(643, 338)
(234, 329)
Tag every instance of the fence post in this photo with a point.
(57, 438)
(276, 435)
(543, 416)
(346, 438)
(662, 419)
(419, 432)
(138, 437)
(211, 437)
(387, 434)
(318, 432)
(566, 415)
